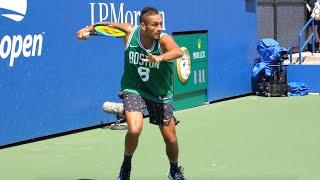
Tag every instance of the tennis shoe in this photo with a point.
(179, 175)
(124, 173)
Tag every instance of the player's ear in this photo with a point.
(143, 26)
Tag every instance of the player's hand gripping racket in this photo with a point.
(106, 30)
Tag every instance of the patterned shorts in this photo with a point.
(159, 113)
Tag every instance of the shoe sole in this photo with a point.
(170, 177)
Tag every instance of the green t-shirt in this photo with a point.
(151, 80)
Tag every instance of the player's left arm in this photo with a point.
(171, 50)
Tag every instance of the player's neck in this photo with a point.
(146, 41)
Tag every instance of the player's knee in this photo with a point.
(134, 132)
(170, 139)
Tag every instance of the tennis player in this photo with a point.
(147, 83)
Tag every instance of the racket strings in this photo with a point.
(109, 31)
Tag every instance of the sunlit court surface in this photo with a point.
(247, 138)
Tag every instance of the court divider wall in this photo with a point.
(50, 82)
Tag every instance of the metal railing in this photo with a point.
(303, 44)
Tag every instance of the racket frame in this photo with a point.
(96, 33)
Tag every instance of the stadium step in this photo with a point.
(307, 58)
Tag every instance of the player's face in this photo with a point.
(153, 26)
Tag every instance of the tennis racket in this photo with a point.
(106, 30)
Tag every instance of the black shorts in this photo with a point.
(159, 113)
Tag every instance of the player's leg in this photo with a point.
(133, 106)
(135, 124)
(162, 115)
(170, 138)
(317, 40)
(172, 149)
(309, 31)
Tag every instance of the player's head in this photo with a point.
(151, 22)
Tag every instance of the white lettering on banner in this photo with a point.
(13, 46)
(199, 55)
(14, 9)
(199, 76)
(110, 12)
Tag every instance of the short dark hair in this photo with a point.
(147, 11)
